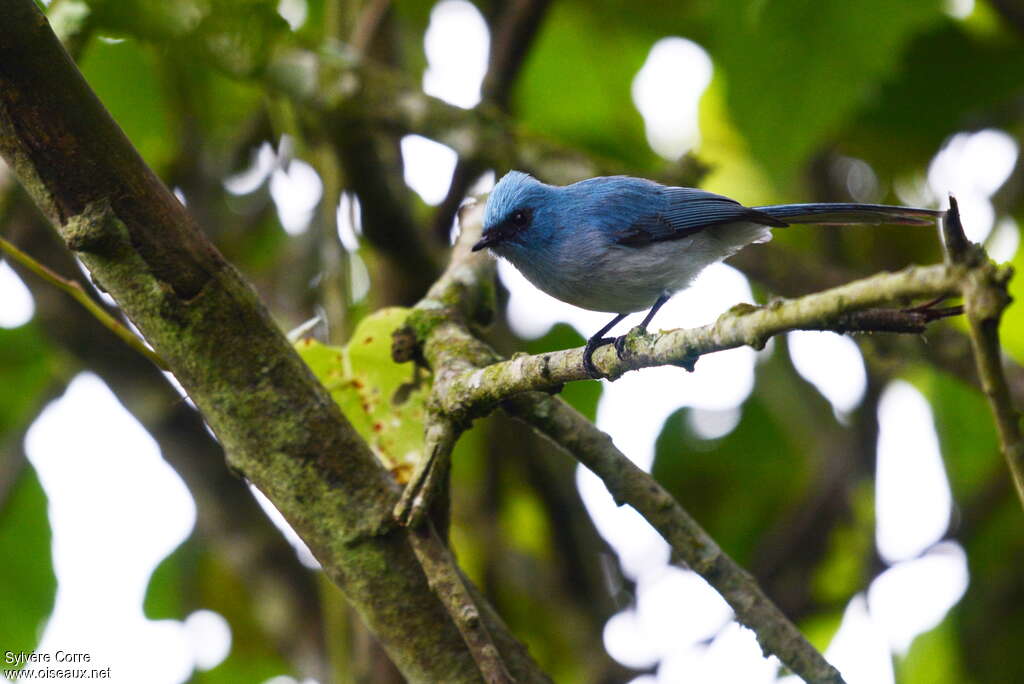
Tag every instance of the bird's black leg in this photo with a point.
(621, 340)
(598, 341)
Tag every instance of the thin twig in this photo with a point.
(690, 544)
(367, 24)
(450, 587)
(985, 297)
(75, 289)
(428, 476)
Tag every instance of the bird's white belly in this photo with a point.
(621, 279)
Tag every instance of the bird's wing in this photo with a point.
(687, 211)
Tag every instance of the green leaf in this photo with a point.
(192, 577)
(378, 396)
(572, 89)
(936, 92)
(582, 396)
(933, 658)
(720, 480)
(26, 575)
(794, 70)
(1011, 330)
(26, 367)
(967, 434)
(125, 77)
(167, 594)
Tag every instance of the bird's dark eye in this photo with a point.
(520, 218)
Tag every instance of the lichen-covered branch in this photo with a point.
(440, 322)
(742, 325)
(690, 544)
(277, 424)
(985, 297)
(451, 588)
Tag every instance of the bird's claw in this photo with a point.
(588, 356)
(620, 345)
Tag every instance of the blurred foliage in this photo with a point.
(193, 578)
(797, 86)
(26, 574)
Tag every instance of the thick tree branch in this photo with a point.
(228, 517)
(277, 424)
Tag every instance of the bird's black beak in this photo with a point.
(485, 241)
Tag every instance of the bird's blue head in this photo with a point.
(512, 209)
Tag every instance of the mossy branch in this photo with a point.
(744, 325)
(277, 423)
(441, 323)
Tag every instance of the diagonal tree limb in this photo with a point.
(448, 583)
(690, 544)
(277, 424)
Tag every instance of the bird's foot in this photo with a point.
(593, 344)
(621, 340)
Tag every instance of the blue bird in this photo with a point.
(622, 245)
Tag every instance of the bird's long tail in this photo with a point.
(839, 214)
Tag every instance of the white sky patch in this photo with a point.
(712, 424)
(116, 510)
(859, 650)
(209, 635)
(626, 640)
(483, 184)
(303, 552)
(1003, 243)
(360, 278)
(914, 596)
(296, 190)
(642, 551)
(959, 9)
(973, 166)
(677, 609)
(294, 12)
(667, 91)
(857, 176)
(429, 166)
(634, 408)
(16, 304)
(249, 180)
(457, 44)
(913, 501)
(733, 656)
(349, 221)
(832, 363)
